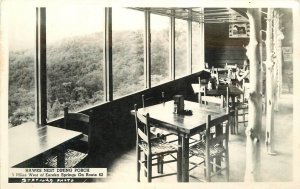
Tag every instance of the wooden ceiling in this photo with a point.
(196, 14)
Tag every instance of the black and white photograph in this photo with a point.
(145, 94)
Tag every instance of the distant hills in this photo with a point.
(75, 73)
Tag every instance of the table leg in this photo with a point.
(179, 160)
(61, 157)
(185, 159)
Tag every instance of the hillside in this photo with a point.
(75, 73)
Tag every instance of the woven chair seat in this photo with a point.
(199, 150)
(72, 158)
(159, 146)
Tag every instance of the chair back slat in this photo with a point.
(151, 99)
(141, 118)
(142, 128)
(143, 136)
(77, 121)
(82, 123)
(218, 121)
(79, 117)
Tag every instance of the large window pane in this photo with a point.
(128, 51)
(180, 48)
(21, 39)
(159, 49)
(74, 57)
(196, 47)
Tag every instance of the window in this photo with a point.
(196, 47)
(159, 49)
(127, 51)
(180, 48)
(74, 57)
(21, 64)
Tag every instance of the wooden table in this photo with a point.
(29, 140)
(233, 91)
(183, 125)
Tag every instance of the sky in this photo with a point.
(65, 21)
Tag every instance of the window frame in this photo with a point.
(41, 60)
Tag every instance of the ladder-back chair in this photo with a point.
(76, 153)
(213, 147)
(151, 148)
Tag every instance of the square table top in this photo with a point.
(163, 114)
(29, 140)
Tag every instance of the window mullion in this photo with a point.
(108, 82)
(172, 46)
(147, 51)
(41, 69)
(202, 42)
(189, 44)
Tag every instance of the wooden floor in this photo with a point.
(273, 168)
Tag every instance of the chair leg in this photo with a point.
(158, 164)
(179, 164)
(146, 165)
(161, 164)
(205, 175)
(208, 167)
(244, 118)
(212, 165)
(237, 123)
(227, 165)
(149, 168)
(236, 116)
(231, 122)
(138, 153)
(61, 158)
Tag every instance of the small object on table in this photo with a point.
(178, 103)
(185, 112)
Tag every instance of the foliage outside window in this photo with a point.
(180, 48)
(21, 97)
(159, 49)
(196, 47)
(127, 51)
(74, 58)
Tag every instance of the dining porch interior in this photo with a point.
(278, 168)
(114, 135)
(119, 156)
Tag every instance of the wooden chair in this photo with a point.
(148, 100)
(231, 70)
(213, 148)
(151, 99)
(241, 108)
(77, 152)
(214, 73)
(218, 102)
(203, 98)
(151, 148)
